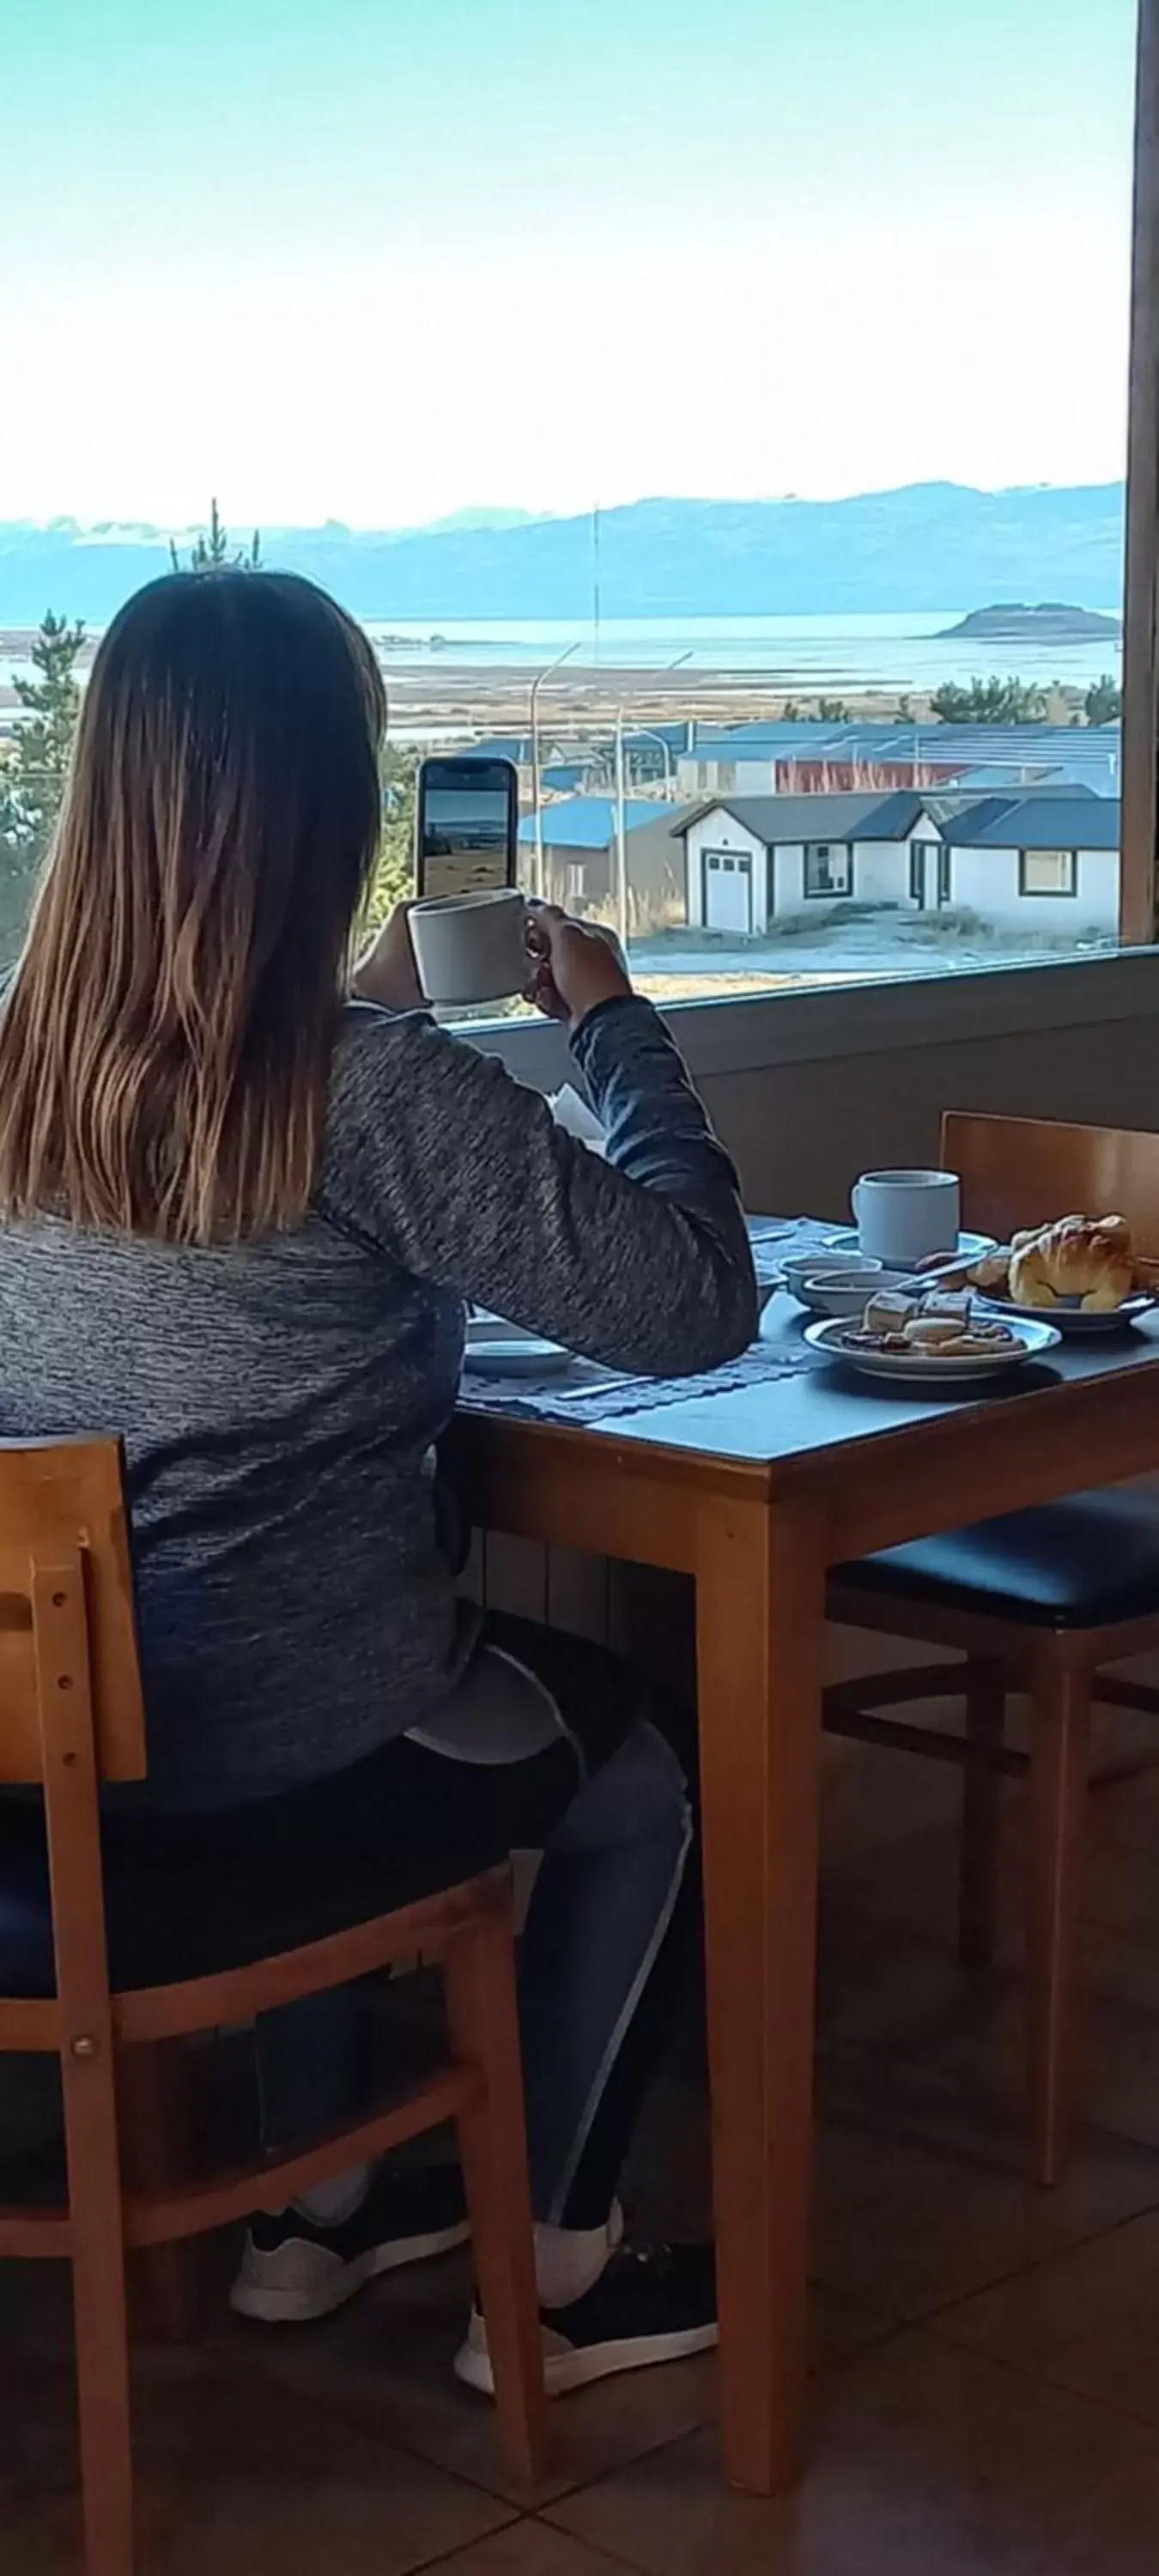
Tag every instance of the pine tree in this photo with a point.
(213, 547)
(38, 757)
(34, 768)
(44, 743)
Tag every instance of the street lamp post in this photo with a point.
(536, 685)
(646, 734)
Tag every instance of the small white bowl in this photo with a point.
(809, 1265)
(846, 1291)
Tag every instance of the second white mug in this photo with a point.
(902, 1217)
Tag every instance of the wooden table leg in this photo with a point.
(760, 1623)
(1060, 1729)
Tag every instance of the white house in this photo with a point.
(1051, 862)
(1024, 862)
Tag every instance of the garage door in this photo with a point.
(728, 890)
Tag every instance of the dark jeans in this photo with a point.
(545, 1745)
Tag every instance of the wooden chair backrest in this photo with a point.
(62, 1507)
(1022, 1172)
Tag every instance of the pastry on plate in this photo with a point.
(929, 1332)
(1090, 1258)
(888, 1311)
(940, 1325)
(948, 1304)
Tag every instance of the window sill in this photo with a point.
(826, 1021)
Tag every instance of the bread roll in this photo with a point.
(1079, 1257)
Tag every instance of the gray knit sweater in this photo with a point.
(278, 1401)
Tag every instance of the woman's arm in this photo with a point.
(460, 1173)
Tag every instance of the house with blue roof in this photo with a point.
(1033, 860)
(798, 758)
(579, 858)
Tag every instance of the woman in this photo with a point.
(240, 1212)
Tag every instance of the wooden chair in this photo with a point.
(1035, 1601)
(70, 1717)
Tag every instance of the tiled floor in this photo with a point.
(986, 2388)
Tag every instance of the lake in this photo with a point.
(840, 654)
(892, 652)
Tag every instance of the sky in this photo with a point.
(381, 260)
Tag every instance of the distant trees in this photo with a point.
(213, 547)
(1103, 701)
(988, 702)
(822, 711)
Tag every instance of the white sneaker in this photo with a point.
(293, 2270)
(651, 2304)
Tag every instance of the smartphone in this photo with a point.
(466, 825)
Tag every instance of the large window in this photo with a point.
(828, 869)
(615, 485)
(1048, 872)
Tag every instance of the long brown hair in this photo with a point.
(165, 1046)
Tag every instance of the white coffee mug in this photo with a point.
(471, 947)
(903, 1216)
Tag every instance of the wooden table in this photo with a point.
(755, 1494)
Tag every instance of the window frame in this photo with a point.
(1138, 786)
(1049, 894)
(826, 894)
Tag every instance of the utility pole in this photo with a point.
(621, 839)
(536, 809)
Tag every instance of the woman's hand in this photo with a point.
(574, 965)
(387, 973)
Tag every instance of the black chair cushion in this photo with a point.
(1086, 1562)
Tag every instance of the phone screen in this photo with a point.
(468, 820)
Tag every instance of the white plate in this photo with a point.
(926, 1368)
(1068, 1314)
(970, 1246)
(496, 1349)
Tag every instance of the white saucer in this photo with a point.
(497, 1349)
(970, 1246)
(927, 1368)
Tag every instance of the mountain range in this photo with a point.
(923, 547)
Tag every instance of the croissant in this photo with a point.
(1082, 1257)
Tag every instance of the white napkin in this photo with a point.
(573, 1115)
